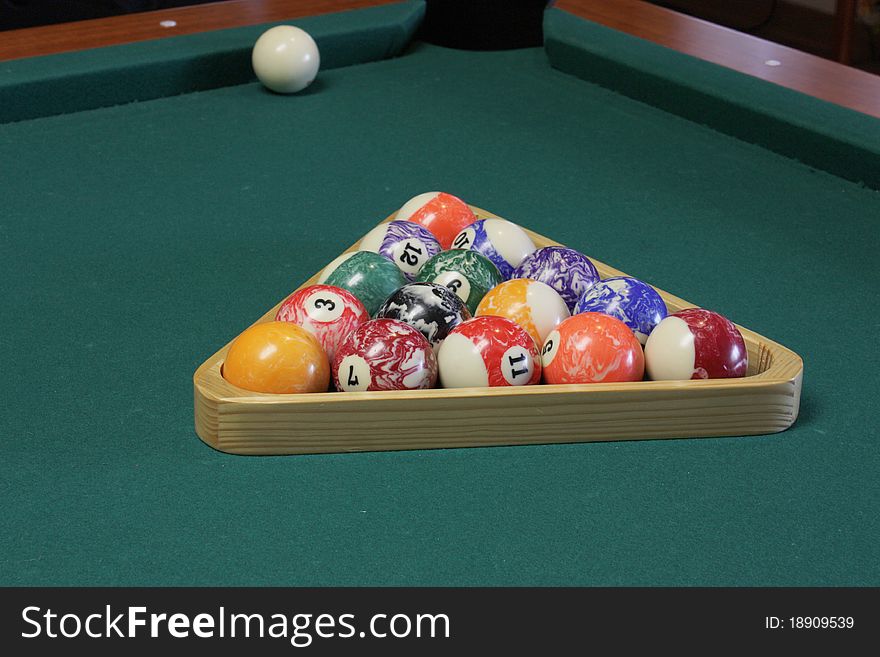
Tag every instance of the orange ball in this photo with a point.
(443, 214)
(534, 305)
(592, 348)
(277, 357)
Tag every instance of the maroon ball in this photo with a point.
(695, 344)
(384, 354)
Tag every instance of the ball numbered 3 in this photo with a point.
(384, 354)
(327, 312)
(488, 352)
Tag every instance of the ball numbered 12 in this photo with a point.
(407, 245)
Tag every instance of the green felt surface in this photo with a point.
(136, 240)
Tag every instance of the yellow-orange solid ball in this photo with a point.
(277, 357)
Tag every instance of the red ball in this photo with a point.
(443, 214)
(696, 344)
(488, 351)
(592, 348)
(326, 311)
(384, 354)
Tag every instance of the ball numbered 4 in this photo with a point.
(592, 348)
(488, 352)
(502, 241)
(384, 354)
(407, 245)
(535, 306)
(327, 312)
(277, 357)
(431, 309)
(696, 344)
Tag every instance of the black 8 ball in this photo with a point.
(431, 308)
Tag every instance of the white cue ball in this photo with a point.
(285, 59)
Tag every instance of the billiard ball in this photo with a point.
(327, 312)
(592, 348)
(443, 214)
(535, 306)
(285, 59)
(467, 273)
(695, 344)
(429, 308)
(565, 270)
(502, 241)
(277, 357)
(488, 351)
(384, 354)
(636, 304)
(407, 245)
(367, 275)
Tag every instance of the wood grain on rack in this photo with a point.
(242, 422)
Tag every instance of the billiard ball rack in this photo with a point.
(237, 421)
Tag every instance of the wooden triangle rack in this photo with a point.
(241, 422)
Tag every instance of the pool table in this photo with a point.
(155, 200)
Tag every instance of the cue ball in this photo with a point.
(285, 59)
